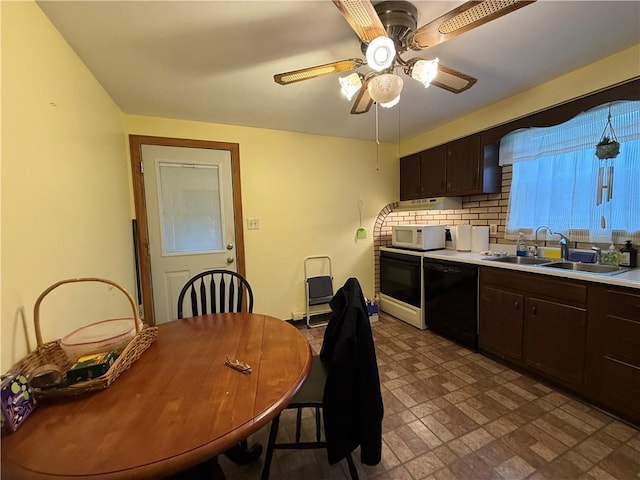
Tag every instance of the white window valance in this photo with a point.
(578, 134)
(558, 181)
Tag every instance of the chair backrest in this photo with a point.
(216, 291)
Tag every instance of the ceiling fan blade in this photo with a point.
(453, 80)
(317, 71)
(362, 17)
(462, 19)
(363, 100)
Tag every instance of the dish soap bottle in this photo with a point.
(611, 257)
(628, 255)
(521, 248)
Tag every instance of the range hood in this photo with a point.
(436, 203)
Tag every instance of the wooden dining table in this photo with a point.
(177, 406)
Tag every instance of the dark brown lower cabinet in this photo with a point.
(584, 336)
(555, 340)
(535, 321)
(501, 319)
(614, 344)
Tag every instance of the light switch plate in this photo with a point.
(253, 223)
(493, 229)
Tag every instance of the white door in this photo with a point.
(189, 201)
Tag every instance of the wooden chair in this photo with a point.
(343, 384)
(309, 396)
(216, 291)
(220, 291)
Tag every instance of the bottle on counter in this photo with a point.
(521, 247)
(611, 256)
(628, 255)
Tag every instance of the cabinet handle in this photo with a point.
(442, 185)
(534, 310)
(449, 185)
(517, 305)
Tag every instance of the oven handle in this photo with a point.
(414, 261)
(409, 263)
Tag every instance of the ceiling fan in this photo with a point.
(389, 29)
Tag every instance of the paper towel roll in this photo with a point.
(479, 239)
(463, 238)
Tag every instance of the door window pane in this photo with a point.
(190, 213)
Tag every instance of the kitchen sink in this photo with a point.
(587, 267)
(521, 260)
(563, 265)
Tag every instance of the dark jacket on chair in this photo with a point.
(352, 400)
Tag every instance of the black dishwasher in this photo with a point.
(451, 300)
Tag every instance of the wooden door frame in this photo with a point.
(142, 231)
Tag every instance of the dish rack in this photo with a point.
(52, 353)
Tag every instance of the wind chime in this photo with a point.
(607, 148)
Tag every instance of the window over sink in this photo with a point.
(558, 180)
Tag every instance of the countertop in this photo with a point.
(630, 279)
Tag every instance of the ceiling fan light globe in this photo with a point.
(385, 88)
(425, 71)
(392, 103)
(380, 53)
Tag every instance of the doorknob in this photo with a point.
(229, 246)
(230, 259)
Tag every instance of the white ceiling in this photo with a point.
(214, 61)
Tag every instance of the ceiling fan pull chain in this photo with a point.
(377, 142)
(377, 139)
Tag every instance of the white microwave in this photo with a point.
(418, 237)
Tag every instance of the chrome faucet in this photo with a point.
(598, 251)
(564, 247)
(540, 228)
(535, 245)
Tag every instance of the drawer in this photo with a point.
(622, 339)
(566, 290)
(624, 303)
(620, 388)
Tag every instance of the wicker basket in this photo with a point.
(52, 352)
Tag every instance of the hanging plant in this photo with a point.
(608, 146)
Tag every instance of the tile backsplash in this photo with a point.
(476, 210)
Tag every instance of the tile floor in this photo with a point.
(451, 413)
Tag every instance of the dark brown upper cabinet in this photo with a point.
(461, 167)
(423, 174)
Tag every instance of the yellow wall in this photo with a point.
(65, 193)
(304, 189)
(67, 204)
(66, 199)
(596, 76)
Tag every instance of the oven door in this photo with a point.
(400, 277)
